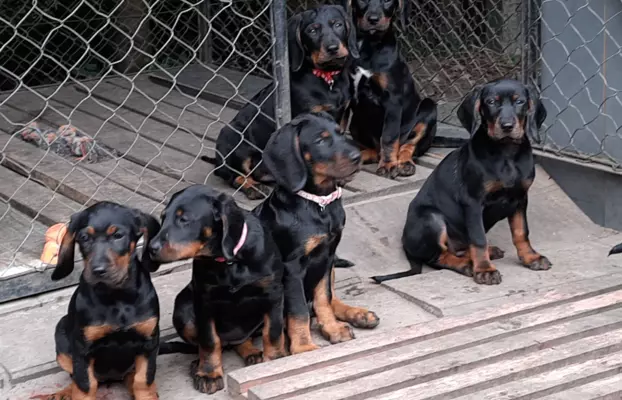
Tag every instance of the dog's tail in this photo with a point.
(615, 249)
(177, 347)
(451, 142)
(343, 263)
(214, 160)
(415, 269)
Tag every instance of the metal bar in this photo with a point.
(205, 52)
(280, 62)
(524, 39)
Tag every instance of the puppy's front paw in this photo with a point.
(337, 332)
(407, 169)
(495, 253)
(388, 171)
(540, 264)
(362, 318)
(303, 348)
(258, 191)
(208, 383)
(253, 359)
(485, 273)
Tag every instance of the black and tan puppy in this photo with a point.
(236, 286)
(390, 121)
(310, 159)
(322, 45)
(477, 185)
(111, 330)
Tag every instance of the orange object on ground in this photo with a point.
(53, 238)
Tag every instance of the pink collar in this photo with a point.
(322, 201)
(327, 76)
(237, 246)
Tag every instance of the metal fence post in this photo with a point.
(280, 62)
(205, 52)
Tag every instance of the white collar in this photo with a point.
(322, 201)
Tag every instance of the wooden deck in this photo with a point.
(564, 344)
(159, 131)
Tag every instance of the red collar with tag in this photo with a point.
(327, 76)
(237, 246)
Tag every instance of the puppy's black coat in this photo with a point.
(236, 287)
(477, 185)
(111, 330)
(310, 157)
(390, 121)
(322, 44)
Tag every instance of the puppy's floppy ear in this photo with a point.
(347, 5)
(536, 115)
(232, 218)
(283, 159)
(350, 30)
(468, 112)
(66, 253)
(294, 39)
(148, 227)
(404, 6)
(427, 111)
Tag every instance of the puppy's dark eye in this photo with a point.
(312, 31)
(183, 219)
(520, 102)
(491, 102)
(117, 235)
(338, 25)
(83, 237)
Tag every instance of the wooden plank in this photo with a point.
(527, 365)
(606, 389)
(407, 363)
(132, 176)
(172, 104)
(143, 137)
(201, 119)
(21, 244)
(148, 183)
(178, 104)
(242, 380)
(143, 106)
(564, 379)
(122, 130)
(34, 200)
(231, 87)
(64, 177)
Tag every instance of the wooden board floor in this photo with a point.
(158, 130)
(564, 345)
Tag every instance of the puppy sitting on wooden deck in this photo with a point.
(236, 288)
(476, 186)
(310, 160)
(111, 330)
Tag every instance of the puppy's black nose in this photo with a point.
(355, 156)
(332, 48)
(99, 271)
(507, 126)
(373, 18)
(155, 247)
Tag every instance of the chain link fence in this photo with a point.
(573, 56)
(118, 99)
(113, 100)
